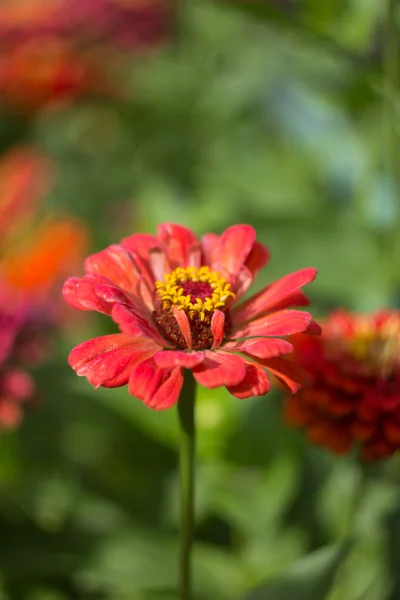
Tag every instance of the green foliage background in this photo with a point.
(275, 115)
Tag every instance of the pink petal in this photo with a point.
(255, 383)
(158, 388)
(261, 348)
(116, 264)
(210, 243)
(257, 259)
(217, 328)
(111, 295)
(159, 263)
(178, 240)
(184, 325)
(195, 255)
(108, 361)
(235, 246)
(287, 372)
(140, 243)
(266, 299)
(279, 324)
(145, 294)
(80, 293)
(220, 368)
(17, 384)
(242, 283)
(134, 324)
(168, 359)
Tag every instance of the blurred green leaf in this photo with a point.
(309, 579)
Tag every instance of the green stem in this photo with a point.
(358, 491)
(387, 239)
(391, 75)
(186, 412)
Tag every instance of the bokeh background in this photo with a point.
(117, 115)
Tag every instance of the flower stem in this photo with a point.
(391, 75)
(391, 80)
(186, 412)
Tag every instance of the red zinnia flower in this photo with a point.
(174, 299)
(354, 393)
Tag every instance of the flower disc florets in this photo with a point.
(199, 292)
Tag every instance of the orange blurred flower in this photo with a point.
(25, 178)
(353, 398)
(35, 255)
(38, 72)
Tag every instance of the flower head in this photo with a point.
(175, 299)
(353, 398)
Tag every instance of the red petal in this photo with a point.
(108, 361)
(116, 264)
(210, 244)
(79, 293)
(217, 327)
(184, 325)
(314, 328)
(168, 359)
(220, 368)
(257, 259)
(140, 243)
(111, 295)
(296, 299)
(255, 383)
(158, 388)
(145, 294)
(287, 372)
(178, 241)
(195, 256)
(160, 264)
(133, 324)
(235, 246)
(279, 324)
(273, 294)
(242, 283)
(262, 348)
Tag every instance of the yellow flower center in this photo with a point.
(197, 291)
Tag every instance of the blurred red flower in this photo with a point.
(35, 255)
(174, 299)
(353, 398)
(45, 70)
(54, 51)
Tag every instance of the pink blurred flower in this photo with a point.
(16, 385)
(174, 299)
(131, 24)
